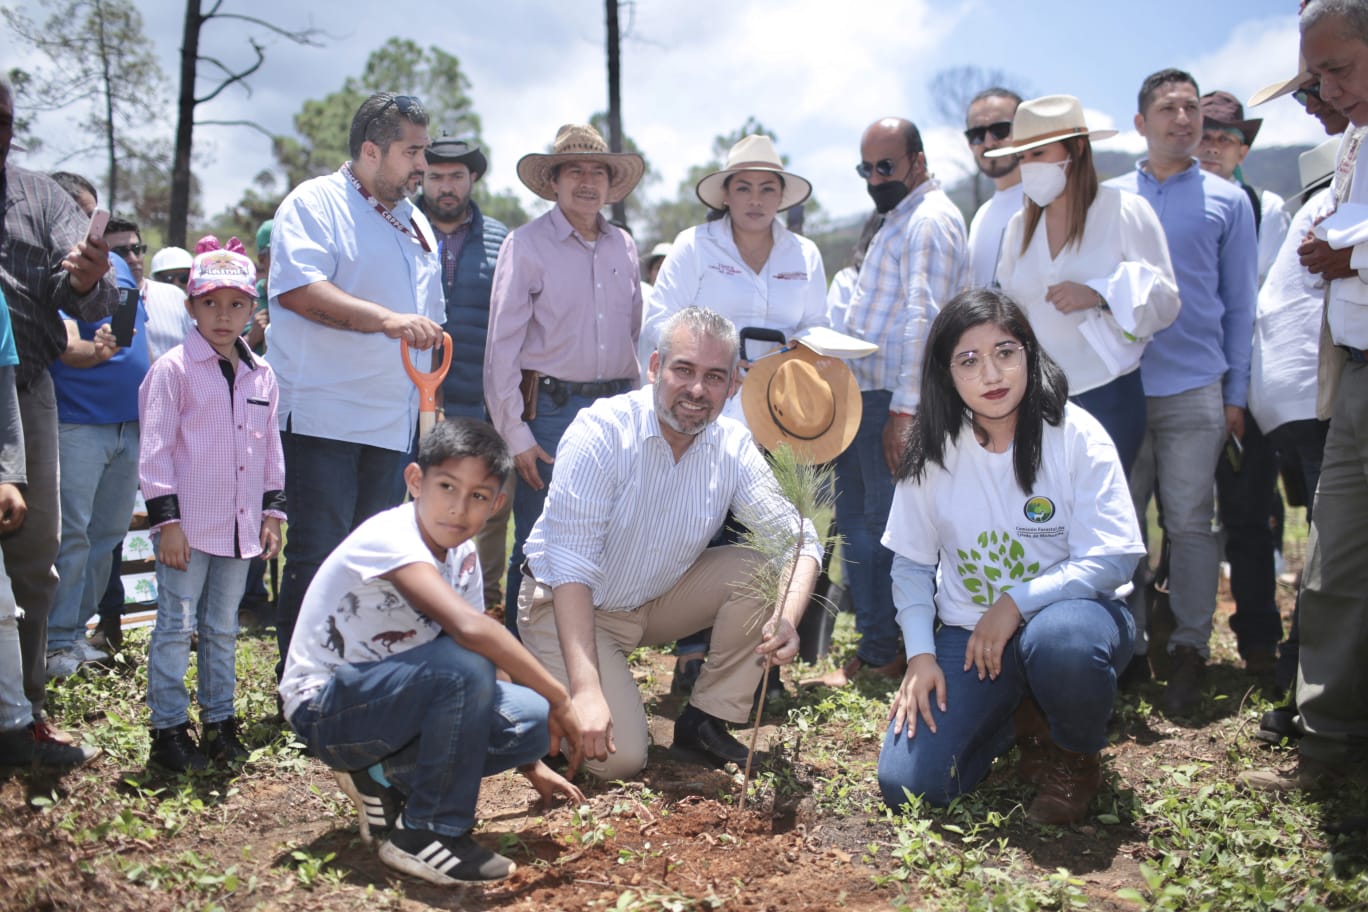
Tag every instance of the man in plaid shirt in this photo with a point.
(917, 261)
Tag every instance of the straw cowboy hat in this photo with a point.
(581, 142)
(1221, 110)
(809, 401)
(1283, 87)
(753, 153)
(1052, 118)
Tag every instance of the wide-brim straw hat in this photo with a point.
(1051, 118)
(581, 142)
(809, 401)
(753, 153)
(1285, 87)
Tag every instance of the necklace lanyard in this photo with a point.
(388, 216)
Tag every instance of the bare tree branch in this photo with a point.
(237, 77)
(236, 123)
(304, 37)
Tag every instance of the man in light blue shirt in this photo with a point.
(354, 269)
(1195, 372)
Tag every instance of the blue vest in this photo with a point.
(467, 311)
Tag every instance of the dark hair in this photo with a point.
(699, 321)
(726, 185)
(992, 92)
(1080, 183)
(117, 224)
(1154, 81)
(74, 184)
(1355, 15)
(466, 438)
(380, 120)
(940, 417)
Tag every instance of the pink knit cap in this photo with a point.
(218, 266)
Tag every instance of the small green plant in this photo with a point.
(311, 869)
(586, 829)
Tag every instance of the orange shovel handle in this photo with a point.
(428, 382)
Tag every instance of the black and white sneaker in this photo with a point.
(443, 860)
(377, 806)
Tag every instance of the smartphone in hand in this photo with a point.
(99, 219)
(121, 324)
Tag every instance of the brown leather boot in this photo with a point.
(1033, 739)
(1067, 788)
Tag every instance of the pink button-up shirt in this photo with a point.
(562, 306)
(210, 458)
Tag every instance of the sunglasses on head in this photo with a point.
(406, 104)
(883, 167)
(1000, 130)
(127, 250)
(1304, 96)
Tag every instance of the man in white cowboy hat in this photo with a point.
(354, 270)
(988, 126)
(468, 243)
(1195, 371)
(620, 556)
(564, 315)
(1332, 680)
(918, 260)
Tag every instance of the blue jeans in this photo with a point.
(1067, 658)
(548, 428)
(1119, 406)
(436, 720)
(15, 712)
(99, 483)
(203, 596)
(1184, 434)
(331, 487)
(864, 494)
(1246, 499)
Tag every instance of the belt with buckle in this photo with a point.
(560, 391)
(1357, 355)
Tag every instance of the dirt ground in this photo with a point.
(675, 835)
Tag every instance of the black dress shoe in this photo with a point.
(699, 736)
(1278, 725)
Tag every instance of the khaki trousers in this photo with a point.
(713, 592)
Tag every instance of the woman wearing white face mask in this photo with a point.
(1089, 264)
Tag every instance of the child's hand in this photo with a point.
(172, 548)
(12, 508)
(270, 537)
(550, 783)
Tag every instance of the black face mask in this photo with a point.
(887, 195)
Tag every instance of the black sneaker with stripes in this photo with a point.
(443, 860)
(378, 807)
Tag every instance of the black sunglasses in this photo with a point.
(125, 250)
(884, 167)
(1304, 96)
(176, 278)
(1000, 130)
(407, 104)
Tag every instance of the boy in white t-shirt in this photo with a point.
(390, 677)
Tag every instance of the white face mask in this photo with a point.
(1044, 181)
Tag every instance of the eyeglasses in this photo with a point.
(1000, 130)
(127, 250)
(883, 167)
(1304, 96)
(407, 104)
(970, 365)
(175, 278)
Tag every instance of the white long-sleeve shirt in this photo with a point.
(1124, 257)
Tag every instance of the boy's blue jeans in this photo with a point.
(1067, 658)
(436, 720)
(205, 595)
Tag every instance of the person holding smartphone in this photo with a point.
(96, 380)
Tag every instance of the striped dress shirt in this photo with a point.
(623, 518)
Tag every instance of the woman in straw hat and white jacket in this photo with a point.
(746, 265)
(1089, 265)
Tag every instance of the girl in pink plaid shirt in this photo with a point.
(213, 474)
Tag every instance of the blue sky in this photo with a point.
(814, 71)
